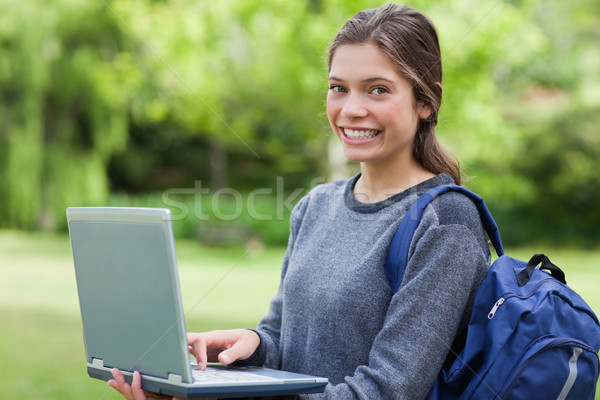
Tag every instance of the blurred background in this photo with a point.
(114, 102)
(216, 109)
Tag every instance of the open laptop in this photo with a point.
(127, 281)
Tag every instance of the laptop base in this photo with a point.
(216, 390)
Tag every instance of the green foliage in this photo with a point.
(520, 113)
(221, 218)
(63, 93)
(143, 96)
(561, 156)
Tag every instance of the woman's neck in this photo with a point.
(377, 184)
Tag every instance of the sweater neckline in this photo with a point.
(358, 206)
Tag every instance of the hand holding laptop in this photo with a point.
(224, 346)
(135, 391)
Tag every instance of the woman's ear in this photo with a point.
(424, 110)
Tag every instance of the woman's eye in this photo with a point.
(337, 88)
(379, 90)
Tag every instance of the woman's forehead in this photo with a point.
(362, 62)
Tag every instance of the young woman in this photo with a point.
(335, 314)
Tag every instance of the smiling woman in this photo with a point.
(335, 314)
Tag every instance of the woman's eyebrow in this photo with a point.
(378, 78)
(368, 80)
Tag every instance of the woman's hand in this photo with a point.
(224, 346)
(135, 391)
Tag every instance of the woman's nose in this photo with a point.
(354, 107)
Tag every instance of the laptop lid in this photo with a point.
(121, 255)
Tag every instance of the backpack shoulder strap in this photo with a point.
(397, 256)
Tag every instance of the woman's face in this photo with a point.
(370, 106)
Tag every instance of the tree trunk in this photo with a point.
(217, 165)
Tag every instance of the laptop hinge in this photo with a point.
(174, 378)
(97, 363)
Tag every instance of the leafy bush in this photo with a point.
(225, 218)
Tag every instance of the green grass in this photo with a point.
(41, 345)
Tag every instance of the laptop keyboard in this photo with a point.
(211, 374)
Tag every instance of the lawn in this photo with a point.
(41, 346)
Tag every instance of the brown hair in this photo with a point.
(409, 39)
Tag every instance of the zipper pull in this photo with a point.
(495, 308)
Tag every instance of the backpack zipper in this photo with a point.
(497, 305)
(507, 296)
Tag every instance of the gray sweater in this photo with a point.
(335, 314)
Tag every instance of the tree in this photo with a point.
(139, 95)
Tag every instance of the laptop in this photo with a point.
(132, 315)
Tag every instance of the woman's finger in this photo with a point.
(197, 345)
(136, 387)
(120, 384)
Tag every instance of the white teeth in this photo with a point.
(361, 134)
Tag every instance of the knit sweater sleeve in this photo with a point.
(447, 262)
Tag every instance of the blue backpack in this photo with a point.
(530, 336)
